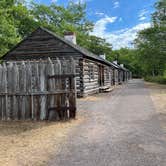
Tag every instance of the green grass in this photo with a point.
(156, 79)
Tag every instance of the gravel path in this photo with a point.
(120, 129)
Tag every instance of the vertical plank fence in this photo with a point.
(38, 90)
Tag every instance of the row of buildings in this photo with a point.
(94, 73)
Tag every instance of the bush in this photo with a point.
(165, 73)
(156, 79)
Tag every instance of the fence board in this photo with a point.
(37, 90)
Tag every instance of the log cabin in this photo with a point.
(94, 73)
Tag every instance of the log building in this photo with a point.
(94, 73)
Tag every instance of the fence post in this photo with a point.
(51, 86)
(64, 68)
(58, 87)
(26, 92)
(72, 96)
(15, 89)
(1, 97)
(5, 97)
(42, 85)
(9, 90)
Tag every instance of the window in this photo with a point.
(91, 72)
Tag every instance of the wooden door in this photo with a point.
(101, 75)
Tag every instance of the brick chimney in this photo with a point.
(122, 65)
(116, 62)
(102, 56)
(70, 36)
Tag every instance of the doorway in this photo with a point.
(101, 75)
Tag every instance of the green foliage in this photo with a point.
(151, 47)
(148, 59)
(159, 16)
(98, 45)
(18, 21)
(24, 21)
(165, 73)
(151, 43)
(129, 58)
(8, 32)
(156, 79)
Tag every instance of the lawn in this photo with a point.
(158, 95)
(32, 143)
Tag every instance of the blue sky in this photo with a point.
(118, 21)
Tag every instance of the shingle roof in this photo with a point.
(82, 50)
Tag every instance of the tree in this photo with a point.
(61, 19)
(150, 43)
(129, 58)
(159, 16)
(98, 45)
(8, 32)
(18, 21)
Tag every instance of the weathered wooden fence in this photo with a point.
(38, 90)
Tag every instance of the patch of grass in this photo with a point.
(158, 95)
(156, 79)
(32, 143)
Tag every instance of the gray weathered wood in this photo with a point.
(28, 89)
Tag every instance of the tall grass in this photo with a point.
(156, 79)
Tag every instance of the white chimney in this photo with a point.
(116, 62)
(122, 65)
(102, 56)
(70, 36)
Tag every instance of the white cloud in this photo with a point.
(100, 25)
(120, 38)
(143, 14)
(142, 18)
(54, 1)
(28, 1)
(99, 14)
(116, 4)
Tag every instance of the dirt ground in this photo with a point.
(158, 95)
(121, 128)
(32, 143)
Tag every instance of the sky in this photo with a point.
(118, 21)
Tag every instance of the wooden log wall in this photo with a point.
(41, 45)
(112, 76)
(120, 76)
(116, 76)
(90, 84)
(107, 76)
(37, 90)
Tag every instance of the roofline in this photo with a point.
(17, 45)
(80, 49)
(83, 51)
(77, 47)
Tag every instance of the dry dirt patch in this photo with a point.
(91, 98)
(32, 143)
(158, 95)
